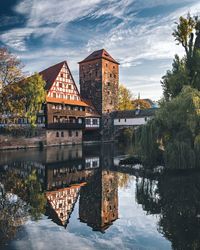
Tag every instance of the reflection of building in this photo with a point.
(61, 203)
(98, 205)
(64, 177)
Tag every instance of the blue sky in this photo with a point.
(137, 33)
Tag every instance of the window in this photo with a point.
(106, 65)
(62, 134)
(60, 85)
(54, 95)
(110, 75)
(68, 97)
(69, 86)
(125, 119)
(61, 75)
(76, 133)
(70, 133)
(88, 121)
(68, 76)
(55, 119)
(94, 122)
(108, 83)
(61, 96)
(118, 120)
(113, 67)
(57, 134)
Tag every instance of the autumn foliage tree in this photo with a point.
(124, 98)
(20, 96)
(140, 103)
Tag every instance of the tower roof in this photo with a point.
(98, 54)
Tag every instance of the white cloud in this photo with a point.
(50, 12)
(132, 44)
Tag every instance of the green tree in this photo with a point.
(185, 71)
(176, 126)
(124, 98)
(35, 95)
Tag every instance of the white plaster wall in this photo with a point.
(130, 121)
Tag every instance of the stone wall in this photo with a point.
(63, 137)
(41, 138)
(99, 81)
(9, 141)
(91, 82)
(110, 84)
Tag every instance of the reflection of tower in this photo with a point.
(61, 204)
(98, 206)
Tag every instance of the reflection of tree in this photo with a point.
(12, 215)
(177, 200)
(18, 198)
(147, 195)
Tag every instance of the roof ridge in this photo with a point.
(97, 54)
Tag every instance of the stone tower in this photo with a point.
(99, 80)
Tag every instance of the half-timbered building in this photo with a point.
(65, 111)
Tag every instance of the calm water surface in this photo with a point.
(78, 197)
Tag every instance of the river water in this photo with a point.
(78, 197)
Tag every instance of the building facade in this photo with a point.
(99, 80)
(65, 112)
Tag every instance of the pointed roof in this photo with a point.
(98, 54)
(62, 202)
(50, 74)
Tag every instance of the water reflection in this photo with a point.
(101, 192)
(176, 199)
(60, 181)
(20, 197)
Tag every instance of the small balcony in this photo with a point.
(65, 125)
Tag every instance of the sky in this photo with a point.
(137, 33)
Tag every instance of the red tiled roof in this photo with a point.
(102, 53)
(70, 102)
(50, 74)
